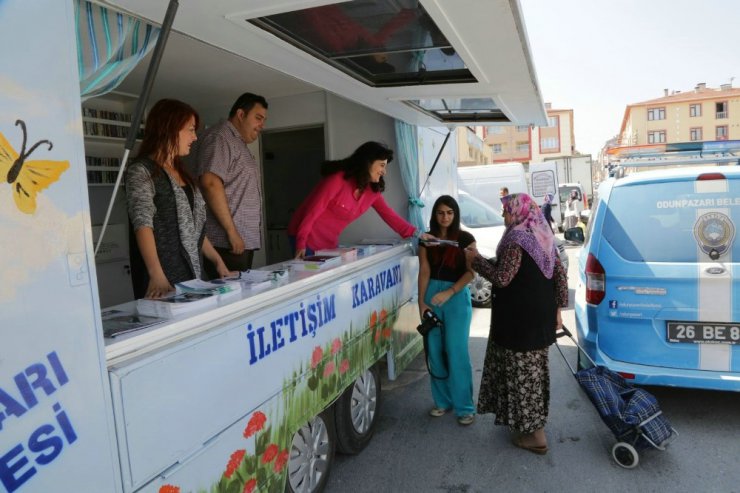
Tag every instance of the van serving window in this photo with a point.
(384, 43)
(461, 109)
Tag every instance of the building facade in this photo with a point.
(471, 149)
(703, 114)
(533, 144)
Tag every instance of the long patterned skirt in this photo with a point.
(515, 387)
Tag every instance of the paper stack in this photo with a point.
(347, 253)
(119, 322)
(219, 287)
(316, 262)
(176, 304)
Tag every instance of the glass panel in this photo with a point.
(461, 109)
(382, 42)
(655, 222)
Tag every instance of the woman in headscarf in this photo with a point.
(530, 288)
(547, 209)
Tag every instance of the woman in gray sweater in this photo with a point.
(166, 210)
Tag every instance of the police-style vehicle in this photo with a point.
(658, 297)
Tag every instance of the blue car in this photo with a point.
(658, 297)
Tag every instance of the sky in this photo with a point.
(598, 56)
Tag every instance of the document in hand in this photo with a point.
(176, 304)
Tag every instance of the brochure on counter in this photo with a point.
(176, 304)
(316, 262)
(222, 287)
(119, 322)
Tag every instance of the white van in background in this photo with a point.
(485, 181)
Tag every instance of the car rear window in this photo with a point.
(679, 221)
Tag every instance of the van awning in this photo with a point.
(426, 62)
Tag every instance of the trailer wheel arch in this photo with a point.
(356, 412)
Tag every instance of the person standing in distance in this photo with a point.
(503, 191)
(232, 183)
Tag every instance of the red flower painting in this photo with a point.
(168, 488)
(256, 423)
(383, 317)
(250, 485)
(234, 461)
(316, 357)
(329, 369)
(270, 453)
(281, 460)
(343, 366)
(336, 345)
(373, 319)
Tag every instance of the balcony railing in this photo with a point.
(721, 114)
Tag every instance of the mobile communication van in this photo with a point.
(257, 391)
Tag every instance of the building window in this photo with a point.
(695, 109)
(522, 128)
(498, 148)
(656, 137)
(722, 132)
(553, 121)
(522, 147)
(497, 130)
(656, 113)
(696, 133)
(549, 144)
(721, 110)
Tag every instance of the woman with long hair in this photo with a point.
(530, 288)
(443, 289)
(166, 210)
(349, 187)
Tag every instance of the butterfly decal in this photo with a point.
(27, 178)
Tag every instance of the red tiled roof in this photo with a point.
(694, 95)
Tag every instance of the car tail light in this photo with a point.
(595, 281)
(628, 376)
(710, 176)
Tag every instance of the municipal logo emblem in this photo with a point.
(714, 233)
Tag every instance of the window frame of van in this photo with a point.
(696, 133)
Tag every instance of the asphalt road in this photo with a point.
(412, 452)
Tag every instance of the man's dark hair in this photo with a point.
(246, 102)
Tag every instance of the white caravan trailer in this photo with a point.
(256, 392)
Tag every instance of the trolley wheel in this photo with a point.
(625, 455)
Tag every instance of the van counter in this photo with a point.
(121, 349)
(185, 392)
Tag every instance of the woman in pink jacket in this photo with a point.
(348, 188)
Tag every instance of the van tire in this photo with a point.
(312, 454)
(356, 412)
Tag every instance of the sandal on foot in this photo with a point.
(535, 449)
(466, 420)
(436, 412)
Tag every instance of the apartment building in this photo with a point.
(524, 143)
(471, 149)
(703, 114)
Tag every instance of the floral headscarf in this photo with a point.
(529, 230)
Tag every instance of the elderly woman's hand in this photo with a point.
(470, 253)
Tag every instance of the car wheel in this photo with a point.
(356, 412)
(311, 455)
(480, 291)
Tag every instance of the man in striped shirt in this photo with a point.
(232, 184)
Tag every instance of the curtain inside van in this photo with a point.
(109, 45)
(408, 163)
